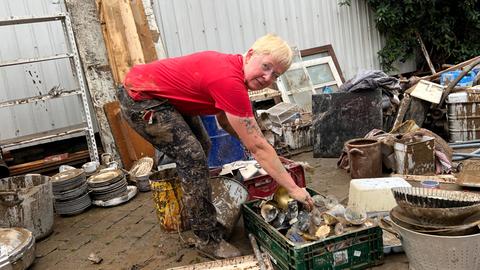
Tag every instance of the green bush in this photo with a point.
(449, 29)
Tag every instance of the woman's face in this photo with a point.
(261, 70)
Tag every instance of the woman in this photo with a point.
(163, 100)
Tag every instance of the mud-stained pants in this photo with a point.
(184, 139)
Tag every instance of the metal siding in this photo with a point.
(33, 41)
(231, 26)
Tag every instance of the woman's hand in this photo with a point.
(302, 195)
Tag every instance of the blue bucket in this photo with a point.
(212, 126)
(225, 147)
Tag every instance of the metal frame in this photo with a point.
(301, 95)
(72, 55)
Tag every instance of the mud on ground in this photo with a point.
(129, 237)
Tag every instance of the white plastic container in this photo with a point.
(374, 194)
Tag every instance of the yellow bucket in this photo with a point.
(167, 198)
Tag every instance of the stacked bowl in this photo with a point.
(435, 211)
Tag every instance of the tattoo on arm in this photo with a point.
(252, 127)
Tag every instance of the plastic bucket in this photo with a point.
(167, 198)
(365, 158)
(27, 201)
(228, 195)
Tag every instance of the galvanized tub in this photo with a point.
(27, 201)
(228, 195)
(415, 157)
(425, 251)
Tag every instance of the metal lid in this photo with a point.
(67, 175)
(15, 242)
(105, 178)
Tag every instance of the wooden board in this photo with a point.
(131, 146)
(339, 117)
(239, 263)
(144, 34)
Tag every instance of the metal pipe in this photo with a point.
(467, 145)
(459, 156)
(467, 155)
(464, 142)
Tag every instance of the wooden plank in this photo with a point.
(144, 33)
(115, 39)
(131, 38)
(39, 166)
(107, 40)
(442, 178)
(131, 146)
(241, 263)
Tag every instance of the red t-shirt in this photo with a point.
(198, 84)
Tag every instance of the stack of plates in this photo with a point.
(70, 192)
(107, 185)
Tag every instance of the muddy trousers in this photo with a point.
(184, 139)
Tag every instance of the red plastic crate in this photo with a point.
(263, 186)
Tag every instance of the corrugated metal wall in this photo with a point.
(34, 41)
(187, 26)
(231, 26)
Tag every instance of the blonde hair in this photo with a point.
(273, 45)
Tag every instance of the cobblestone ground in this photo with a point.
(129, 236)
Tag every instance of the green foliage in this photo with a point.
(449, 29)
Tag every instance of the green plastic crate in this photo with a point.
(355, 250)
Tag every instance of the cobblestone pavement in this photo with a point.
(129, 236)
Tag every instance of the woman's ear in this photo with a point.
(248, 55)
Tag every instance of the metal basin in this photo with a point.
(27, 201)
(427, 252)
(468, 226)
(440, 216)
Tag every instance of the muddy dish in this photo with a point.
(67, 180)
(464, 227)
(17, 248)
(355, 215)
(442, 216)
(434, 198)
